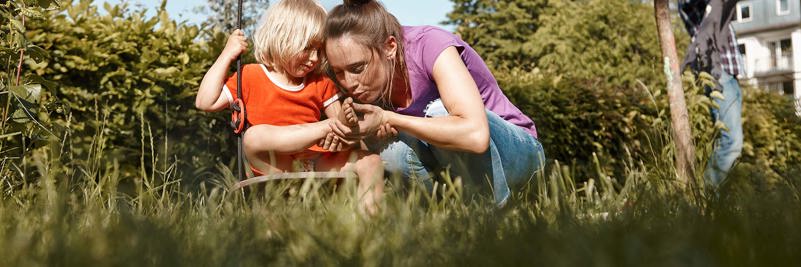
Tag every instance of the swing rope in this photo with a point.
(239, 114)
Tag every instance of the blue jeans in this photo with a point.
(730, 143)
(513, 157)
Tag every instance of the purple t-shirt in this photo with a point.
(422, 46)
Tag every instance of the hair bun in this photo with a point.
(356, 2)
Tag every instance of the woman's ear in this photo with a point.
(391, 47)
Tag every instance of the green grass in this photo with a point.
(85, 216)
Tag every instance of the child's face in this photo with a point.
(305, 62)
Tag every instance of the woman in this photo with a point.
(431, 99)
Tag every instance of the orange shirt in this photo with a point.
(270, 103)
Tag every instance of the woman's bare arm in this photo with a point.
(465, 128)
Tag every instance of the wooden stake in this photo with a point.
(682, 134)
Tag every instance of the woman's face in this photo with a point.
(360, 70)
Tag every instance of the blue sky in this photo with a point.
(409, 12)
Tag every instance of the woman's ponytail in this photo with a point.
(356, 2)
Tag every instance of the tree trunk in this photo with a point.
(682, 134)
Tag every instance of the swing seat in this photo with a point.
(293, 175)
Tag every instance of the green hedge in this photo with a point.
(127, 84)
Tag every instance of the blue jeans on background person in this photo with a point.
(513, 157)
(730, 142)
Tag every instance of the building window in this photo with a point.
(783, 7)
(787, 88)
(786, 54)
(781, 54)
(741, 49)
(744, 11)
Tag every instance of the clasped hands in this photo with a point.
(356, 122)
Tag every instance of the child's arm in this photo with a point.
(209, 96)
(285, 139)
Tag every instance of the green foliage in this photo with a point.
(608, 43)
(133, 80)
(24, 122)
(594, 88)
(500, 30)
(772, 131)
(590, 75)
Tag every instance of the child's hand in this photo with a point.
(348, 115)
(237, 44)
(333, 143)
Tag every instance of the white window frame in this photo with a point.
(779, 10)
(740, 6)
(776, 53)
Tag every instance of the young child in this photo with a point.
(284, 96)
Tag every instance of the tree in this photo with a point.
(222, 13)
(499, 30)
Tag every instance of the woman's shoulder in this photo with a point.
(424, 44)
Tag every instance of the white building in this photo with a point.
(769, 37)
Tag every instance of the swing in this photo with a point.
(238, 121)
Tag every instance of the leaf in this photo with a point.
(717, 95)
(20, 116)
(45, 3)
(24, 114)
(166, 72)
(184, 58)
(10, 135)
(49, 85)
(108, 7)
(721, 126)
(37, 53)
(30, 92)
(16, 24)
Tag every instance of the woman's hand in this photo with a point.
(386, 131)
(371, 119)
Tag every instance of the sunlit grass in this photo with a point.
(640, 219)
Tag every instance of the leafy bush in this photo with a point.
(130, 81)
(597, 88)
(772, 130)
(24, 122)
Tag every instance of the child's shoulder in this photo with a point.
(253, 67)
(318, 79)
(254, 71)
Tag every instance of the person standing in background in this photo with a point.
(714, 50)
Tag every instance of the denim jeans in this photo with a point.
(730, 143)
(513, 157)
